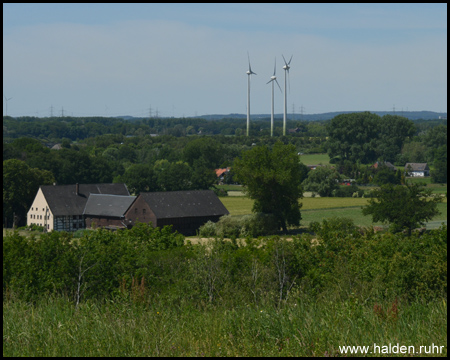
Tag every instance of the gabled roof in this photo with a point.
(417, 166)
(64, 200)
(108, 205)
(178, 204)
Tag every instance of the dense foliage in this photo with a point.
(273, 179)
(404, 207)
(340, 262)
(180, 157)
(365, 137)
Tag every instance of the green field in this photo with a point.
(317, 209)
(315, 159)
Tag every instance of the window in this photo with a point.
(135, 210)
(143, 211)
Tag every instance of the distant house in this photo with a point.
(61, 207)
(385, 163)
(220, 173)
(186, 211)
(107, 211)
(417, 169)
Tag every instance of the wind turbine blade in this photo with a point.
(290, 59)
(269, 81)
(284, 59)
(279, 85)
(275, 67)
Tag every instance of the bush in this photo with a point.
(228, 226)
(346, 191)
(258, 225)
(333, 227)
(208, 229)
(232, 227)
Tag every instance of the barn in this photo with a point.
(61, 207)
(186, 211)
(107, 211)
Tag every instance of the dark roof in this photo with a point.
(417, 166)
(108, 205)
(63, 199)
(177, 204)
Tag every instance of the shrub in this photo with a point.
(346, 191)
(228, 226)
(258, 225)
(249, 225)
(208, 229)
(333, 227)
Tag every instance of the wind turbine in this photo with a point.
(6, 102)
(286, 68)
(249, 73)
(272, 79)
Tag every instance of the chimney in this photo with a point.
(77, 189)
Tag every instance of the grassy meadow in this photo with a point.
(315, 159)
(317, 209)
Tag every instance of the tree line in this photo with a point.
(168, 162)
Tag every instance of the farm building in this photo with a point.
(107, 211)
(186, 211)
(417, 169)
(61, 207)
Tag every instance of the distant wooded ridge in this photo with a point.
(412, 115)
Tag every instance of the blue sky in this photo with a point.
(191, 59)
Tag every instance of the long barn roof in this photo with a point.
(180, 204)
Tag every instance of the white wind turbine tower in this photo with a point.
(6, 103)
(249, 73)
(286, 68)
(272, 79)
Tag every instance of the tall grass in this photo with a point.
(53, 327)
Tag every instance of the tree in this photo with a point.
(175, 177)
(323, 180)
(414, 151)
(204, 149)
(394, 130)
(402, 206)
(385, 175)
(354, 137)
(273, 179)
(439, 174)
(139, 178)
(20, 185)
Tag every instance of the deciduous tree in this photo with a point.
(273, 179)
(402, 206)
